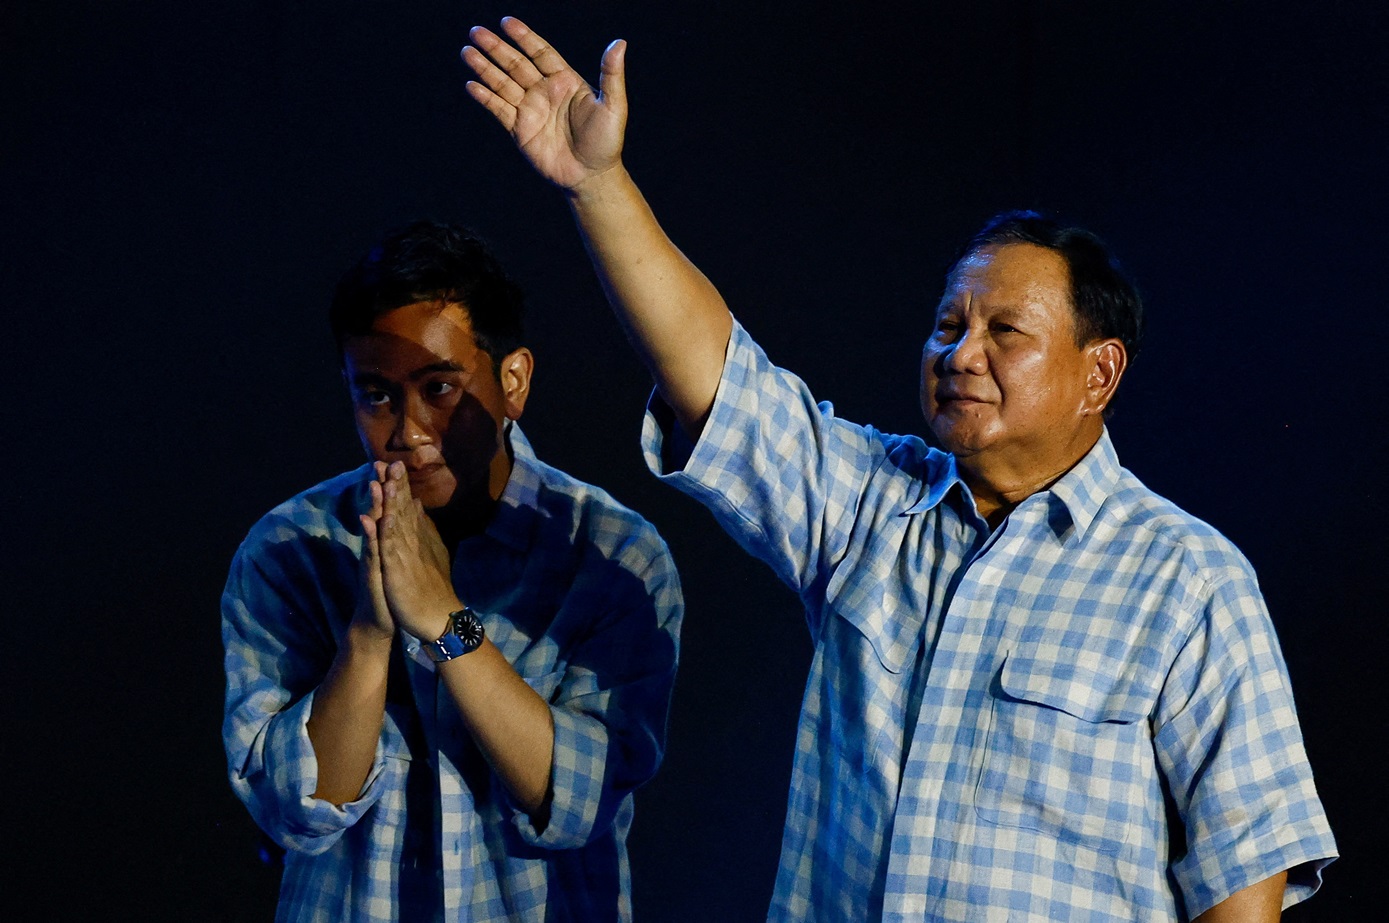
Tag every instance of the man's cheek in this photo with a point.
(472, 437)
(439, 492)
(373, 441)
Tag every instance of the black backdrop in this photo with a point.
(182, 183)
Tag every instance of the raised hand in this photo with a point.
(414, 561)
(567, 132)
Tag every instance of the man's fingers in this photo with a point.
(387, 522)
(493, 77)
(371, 551)
(371, 557)
(547, 60)
(506, 114)
(399, 508)
(374, 490)
(396, 488)
(401, 480)
(517, 66)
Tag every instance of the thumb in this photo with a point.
(612, 77)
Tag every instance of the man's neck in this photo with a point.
(462, 519)
(999, 486)
(471, 510)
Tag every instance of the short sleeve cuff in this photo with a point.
(666, 447)
(1237, 868)
(576, 783)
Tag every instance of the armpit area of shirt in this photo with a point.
(671, 444)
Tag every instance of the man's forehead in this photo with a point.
(416, 339)
(424, 312)
(1015, 276)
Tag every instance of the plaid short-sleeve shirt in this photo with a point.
(579, 594)
(1082, 715)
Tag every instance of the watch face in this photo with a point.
(467, 626)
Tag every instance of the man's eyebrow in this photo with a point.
(369, 378)
(443, 365)
(1010, 311)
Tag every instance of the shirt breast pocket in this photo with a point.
(1068, 753)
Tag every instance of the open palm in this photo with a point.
(568, 132)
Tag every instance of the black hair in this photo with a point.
(429, 261)
(1106, 302)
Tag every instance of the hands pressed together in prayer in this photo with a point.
(573, 137)
(406, 583)
(405, 566)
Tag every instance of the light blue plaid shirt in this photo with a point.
(580, 595)
(1081, 716)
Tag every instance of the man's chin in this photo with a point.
(433, 497)
(960, 441)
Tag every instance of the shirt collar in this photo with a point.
(1083, 489)
(1080, 492)
(514, 517)
(941, 475)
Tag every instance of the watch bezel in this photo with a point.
(468, 628)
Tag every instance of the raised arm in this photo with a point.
(573, 137)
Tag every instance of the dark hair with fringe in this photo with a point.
(429, 261)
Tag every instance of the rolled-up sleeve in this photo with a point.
(276, 653)
(611, 702)
(578, 774)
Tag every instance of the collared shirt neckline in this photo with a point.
(1081, 490)
(513, 521)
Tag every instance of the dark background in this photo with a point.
(183, 182)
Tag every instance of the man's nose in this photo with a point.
(412, 428)
(966, 354)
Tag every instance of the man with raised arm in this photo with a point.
(447, 670)
(1039, 691)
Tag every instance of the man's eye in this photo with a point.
(438, 388)
(374, 398)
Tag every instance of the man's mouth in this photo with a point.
(948, 397)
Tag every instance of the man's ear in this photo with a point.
(515, 375)
(1105, 362)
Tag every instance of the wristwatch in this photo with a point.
(463, 636)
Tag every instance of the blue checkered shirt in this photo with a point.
(580, 595)
(1083, 715)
